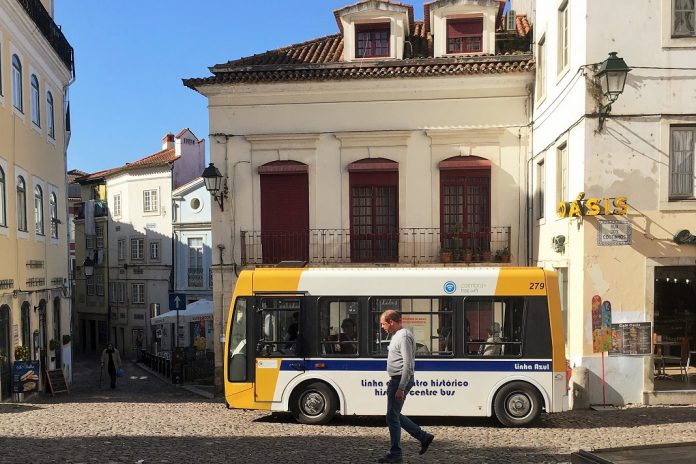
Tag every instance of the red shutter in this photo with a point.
(284, 212)
(464, 27)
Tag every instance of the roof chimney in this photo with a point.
(168, 141)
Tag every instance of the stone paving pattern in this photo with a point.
(146, 420)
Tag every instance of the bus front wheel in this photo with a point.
(517, 404)
(314, 404)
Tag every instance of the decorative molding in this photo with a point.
(373, 139)
(35, 264)
(36, 282)
(475, 136)
(270, 142)
(6, 283)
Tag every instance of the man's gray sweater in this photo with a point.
(401, 358)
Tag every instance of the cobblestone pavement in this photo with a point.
(148, 421)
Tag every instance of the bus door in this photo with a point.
(278, 346)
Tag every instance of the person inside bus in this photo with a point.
(291, 334)
(348, 334)
(493, 346)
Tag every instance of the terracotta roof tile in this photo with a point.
(321, 59)
(161, 158)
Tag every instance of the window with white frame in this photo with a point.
(122, 249)
(137, 248)
(138, 293)
(563, 36)
(99, 229)
(118, 292)
(541, 187)
(122, 291)
(117, 204)
(90, 286)
(50, 116)
(681, 162)
(35, 106)
(53, 211)
(21, 204)
(3, 199)
(38, 211)
(562, 172)
(99, 284)
(150, 201)
(195, 262)
(155, 250)
(541, 69)
(17, 95)
(683, 18)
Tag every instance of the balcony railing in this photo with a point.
(50, 31)
(101, 209)
(406, 246)
(195, 277)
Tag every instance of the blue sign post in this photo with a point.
(177, 302)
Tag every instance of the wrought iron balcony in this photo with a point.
(51, 31)
(195, 277)
(101, 209)
(404, 246)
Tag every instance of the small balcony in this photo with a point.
(101, 209)
(411, 246)
(51, 31)
(195, 277)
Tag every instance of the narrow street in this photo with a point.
(146, 420)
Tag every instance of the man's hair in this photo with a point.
(391, 315)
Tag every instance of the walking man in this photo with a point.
(400, 367)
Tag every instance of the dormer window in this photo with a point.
(465, 35)
(372, 40)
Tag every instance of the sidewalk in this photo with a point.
(203, 391)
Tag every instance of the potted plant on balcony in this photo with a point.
(486, 256)
(505, 255)
(477, 256)
(53, 345)
(66, 339)
(445, 255)
(467, 255)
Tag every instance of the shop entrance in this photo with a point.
(674, 325)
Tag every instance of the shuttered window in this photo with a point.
(681, 163)
(465, 35)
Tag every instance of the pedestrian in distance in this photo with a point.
(401, 365)
(112, 359)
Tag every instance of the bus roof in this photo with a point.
(393, 281)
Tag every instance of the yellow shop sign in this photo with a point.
(582, 206)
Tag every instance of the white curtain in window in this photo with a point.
(683, 22)
(682, 163)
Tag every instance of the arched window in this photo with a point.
(53, 211)
(17, 100)
(3, 215)
(21, 204)
(35, 108)
(50, 121)
(38, 211)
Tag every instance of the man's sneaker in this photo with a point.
(390, 458)
(426, 443)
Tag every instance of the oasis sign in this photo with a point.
(582, 206)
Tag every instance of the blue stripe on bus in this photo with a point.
(502, 365)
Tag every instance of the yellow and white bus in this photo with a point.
(489, 342)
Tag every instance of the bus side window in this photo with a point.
(338, 327)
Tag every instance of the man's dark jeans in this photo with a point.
(396, 420)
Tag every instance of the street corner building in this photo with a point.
(489, 133)
(36, 70)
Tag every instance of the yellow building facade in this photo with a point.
(36, 69)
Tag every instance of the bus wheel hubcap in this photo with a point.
(518, 405)
(313, 403)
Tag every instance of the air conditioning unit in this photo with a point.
(510, 21)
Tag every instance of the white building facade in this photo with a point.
(367, 147)
(136, 258)
(628, 258)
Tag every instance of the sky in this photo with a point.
(131, 55)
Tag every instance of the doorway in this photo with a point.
(5, 374)
(674, 321)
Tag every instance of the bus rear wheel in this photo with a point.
(315, 404)
(517, 404)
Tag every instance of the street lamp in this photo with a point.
(214, 184)
(612, 79)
